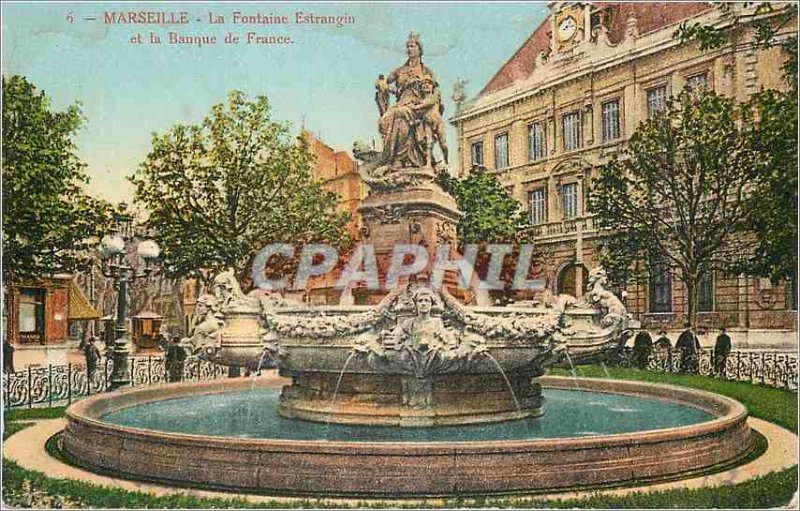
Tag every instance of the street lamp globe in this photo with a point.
(111, 245)
(148, 249)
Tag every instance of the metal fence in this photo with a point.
(774, 369)
(62, 384)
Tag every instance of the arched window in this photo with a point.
(660, 288)
(706, 293)
(568, 278)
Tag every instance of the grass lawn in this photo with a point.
(770, 404)
(33, 489)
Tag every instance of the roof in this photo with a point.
(649, 17)
(79, 307)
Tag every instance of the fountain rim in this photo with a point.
(313, 308)
(732, 412)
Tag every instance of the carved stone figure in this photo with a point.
(420, 345)
(459, 92)
(228, 292)
(422, 331)
(631, 28)
(411, 125)
(207, 327)
(598, 296)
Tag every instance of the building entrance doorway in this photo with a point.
(568, 280)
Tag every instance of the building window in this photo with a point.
(697, 82)
(537, 146)
(706, 293)
(656, 100)
(571, 129)
(610, 112)
(477, 154)
(660, 288)
(31, 314)
(501, 151)
(537, 202)
(569, 195)
(791, 295)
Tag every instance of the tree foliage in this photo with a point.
(678, 195)
(767, 21)
(772, 204)
(49, 222)
(220, 190)
(772, 207)
(490, 214)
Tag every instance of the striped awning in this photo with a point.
(80, 308)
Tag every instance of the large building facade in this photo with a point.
(569, 99)
(338, 173)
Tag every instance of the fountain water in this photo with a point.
(338, 383)
(505, 378)
(572, 369)
(605, 369)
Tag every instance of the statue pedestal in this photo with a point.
(402, 400)
(423, 215)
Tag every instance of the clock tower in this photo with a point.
(570, 25)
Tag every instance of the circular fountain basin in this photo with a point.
(228, 434)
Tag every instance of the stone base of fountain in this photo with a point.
(452, 468)
(403, 400)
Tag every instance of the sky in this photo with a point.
(324, 80)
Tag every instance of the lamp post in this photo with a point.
(113, 252)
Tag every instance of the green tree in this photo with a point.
(772, 203)
(678, 194)
(220, 190)
(770, 22)
(490, 214)
(772, 207)
(49, 222)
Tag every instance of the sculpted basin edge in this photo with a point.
(420, 468)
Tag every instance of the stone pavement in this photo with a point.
(27, 449)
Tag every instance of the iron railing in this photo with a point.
(54, 385)
(771, 368)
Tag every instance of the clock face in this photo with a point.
(566, 28)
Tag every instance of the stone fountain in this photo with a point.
(417, 357)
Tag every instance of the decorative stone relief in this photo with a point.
(420, 345)
(446, 233)
(597, 296)
(387, 214)
(600, 36)
(206, 329)
(631, 29)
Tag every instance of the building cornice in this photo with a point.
(622, 53)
